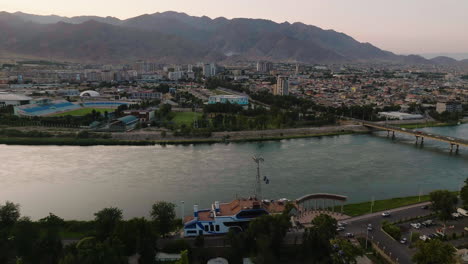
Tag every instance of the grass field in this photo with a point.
(219, 92)
(85, 111)
(185, 117)
(382, 205)
(428, 124)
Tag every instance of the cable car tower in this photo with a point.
(258, 182)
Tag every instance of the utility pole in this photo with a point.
(183, 211)
(258, 183)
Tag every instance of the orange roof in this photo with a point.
(234, 207)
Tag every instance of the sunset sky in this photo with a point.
(401, 26)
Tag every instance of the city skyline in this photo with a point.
(417, 27)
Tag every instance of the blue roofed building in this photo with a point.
(125, 123)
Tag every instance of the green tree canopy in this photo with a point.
(464, 194)
(326, 224)
(106, 221)
(345, 251)
(434, 252)
(9, 214)
(443, 203)
(163, 214)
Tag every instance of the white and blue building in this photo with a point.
(233, 99)
(222, 217)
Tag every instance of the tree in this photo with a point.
(268, 232)
(464, 194)
(91, 251)
(163, 214)
(106, 221)
(326, 224)
(9, 214)
(138, 236)
(183, 258)
(434, 252)
(345, 251)
(443, 203)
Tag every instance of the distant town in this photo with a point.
(208, 100)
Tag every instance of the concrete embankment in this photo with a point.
(247, 135)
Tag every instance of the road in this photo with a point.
(393, 248)
(357, 226)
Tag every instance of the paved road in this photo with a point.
(390, 246)
(357, 226)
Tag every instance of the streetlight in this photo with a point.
(183, 211)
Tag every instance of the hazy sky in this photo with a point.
(401, 26)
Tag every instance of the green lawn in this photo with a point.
(185, 117)
(428, 124)
(381, 205)
(219, 92)
(85, 111)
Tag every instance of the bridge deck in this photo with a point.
(417, 133)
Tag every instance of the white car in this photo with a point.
(424, 238)
(386, 214)
(340, 228)
(415, 225)
(403, 240)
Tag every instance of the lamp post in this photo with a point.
(183, 211)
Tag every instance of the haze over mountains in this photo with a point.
(177, 37)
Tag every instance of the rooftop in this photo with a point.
(13, 97)
(234, 207)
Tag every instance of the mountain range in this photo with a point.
(178, 37)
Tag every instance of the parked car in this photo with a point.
(424, 238)
(425, 207)
(386, 214)
(403, 240)
(349, 235)
(415, 225)
(427, 223)
(340, 228)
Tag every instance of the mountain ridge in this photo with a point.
(175, 36)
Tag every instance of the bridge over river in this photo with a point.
(419, 135)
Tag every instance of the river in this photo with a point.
(76, 182)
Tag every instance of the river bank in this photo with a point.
(154, 137)
(141, 138)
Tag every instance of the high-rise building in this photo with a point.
(264, 66)
(213, 69)
(209, 70)
(282, 86)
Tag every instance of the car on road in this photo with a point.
(427, 223)
(342, 224)
(456, 215)
(340, 228)
(415, 225)
(369, 227)
(424, 238)
(403, 240)
(386, 214)
(425, 207)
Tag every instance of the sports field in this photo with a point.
(185, 117)
(85, 111)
